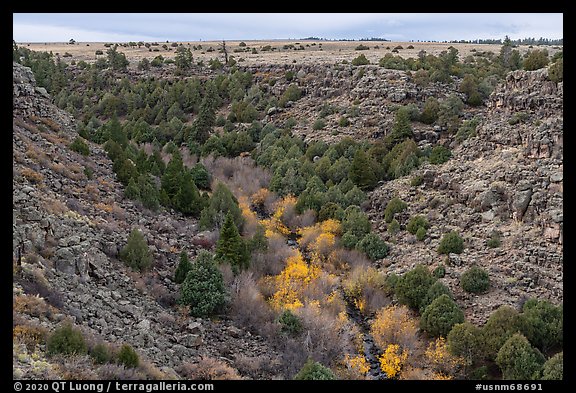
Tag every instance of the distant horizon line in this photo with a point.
(373, 39)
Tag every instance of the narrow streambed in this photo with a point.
(370, 350)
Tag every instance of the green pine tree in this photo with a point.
(149, 194)
(221, 203)
(207, 114)
(401, 130)
(188, 199)
(172, 178)
(136, 253)
(361, 172)
(203, 289)
(183, 268)
(132, 191)
(231, 248)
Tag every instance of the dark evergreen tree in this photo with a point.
(132, 191)
(440, 316)
(221, 203)
(183, 59)
(187, 200)
(314, 371)
(116, 133)
(117, 60)
(518, 360)
(465, 340)
(230, 247)
(401, 130)
(206, 118)
(413, 286)
(554, 367)
(543, 324)
(136, 253)
(183, 268)
(501, 325)
(172, 178)
(361, 172)
(201, 176)
(203, 289)
(149, 194)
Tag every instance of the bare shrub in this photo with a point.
(117, 372)
(227, 274)
(292, 357)
(166, 157)
(248, 306)
(31, 175)
(162, 295)
(148, 148)
(204, 240)
(118, 212)
(92, 192)
(151, 371)
(327, 338)
(240, 174)
(75, 205)
(257, 367)
(321, 289)
(306, 219)
(109, 227)
(166, 318)
(48, 249)
(77, 368)
(189, 160)
(272, 261)
(35, 284)
(351, 258)
(366, 286)
(54, 206)
(30, 334)
(208, 369)
(413, 373)
(309, 236)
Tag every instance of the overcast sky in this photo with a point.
(114, 27)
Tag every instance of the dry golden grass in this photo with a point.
(315, 51)
(29, 335)
(54, 206)
(31, 175)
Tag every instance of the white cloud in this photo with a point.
(46, 33)
(211, 26)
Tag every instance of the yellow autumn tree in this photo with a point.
(362, 279)
(441, 360)
(394, 325)
(392, 360)
(357, 364)
(276, 223)
(320, 240)
(331, 226)
(292, 281)
(250, 218)
(260, 196)
(321, 248)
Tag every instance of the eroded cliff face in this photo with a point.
(67, 230)
(508, 178)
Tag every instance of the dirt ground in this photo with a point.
(314, 51)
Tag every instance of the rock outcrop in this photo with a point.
(507, 179)
(70, 219)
